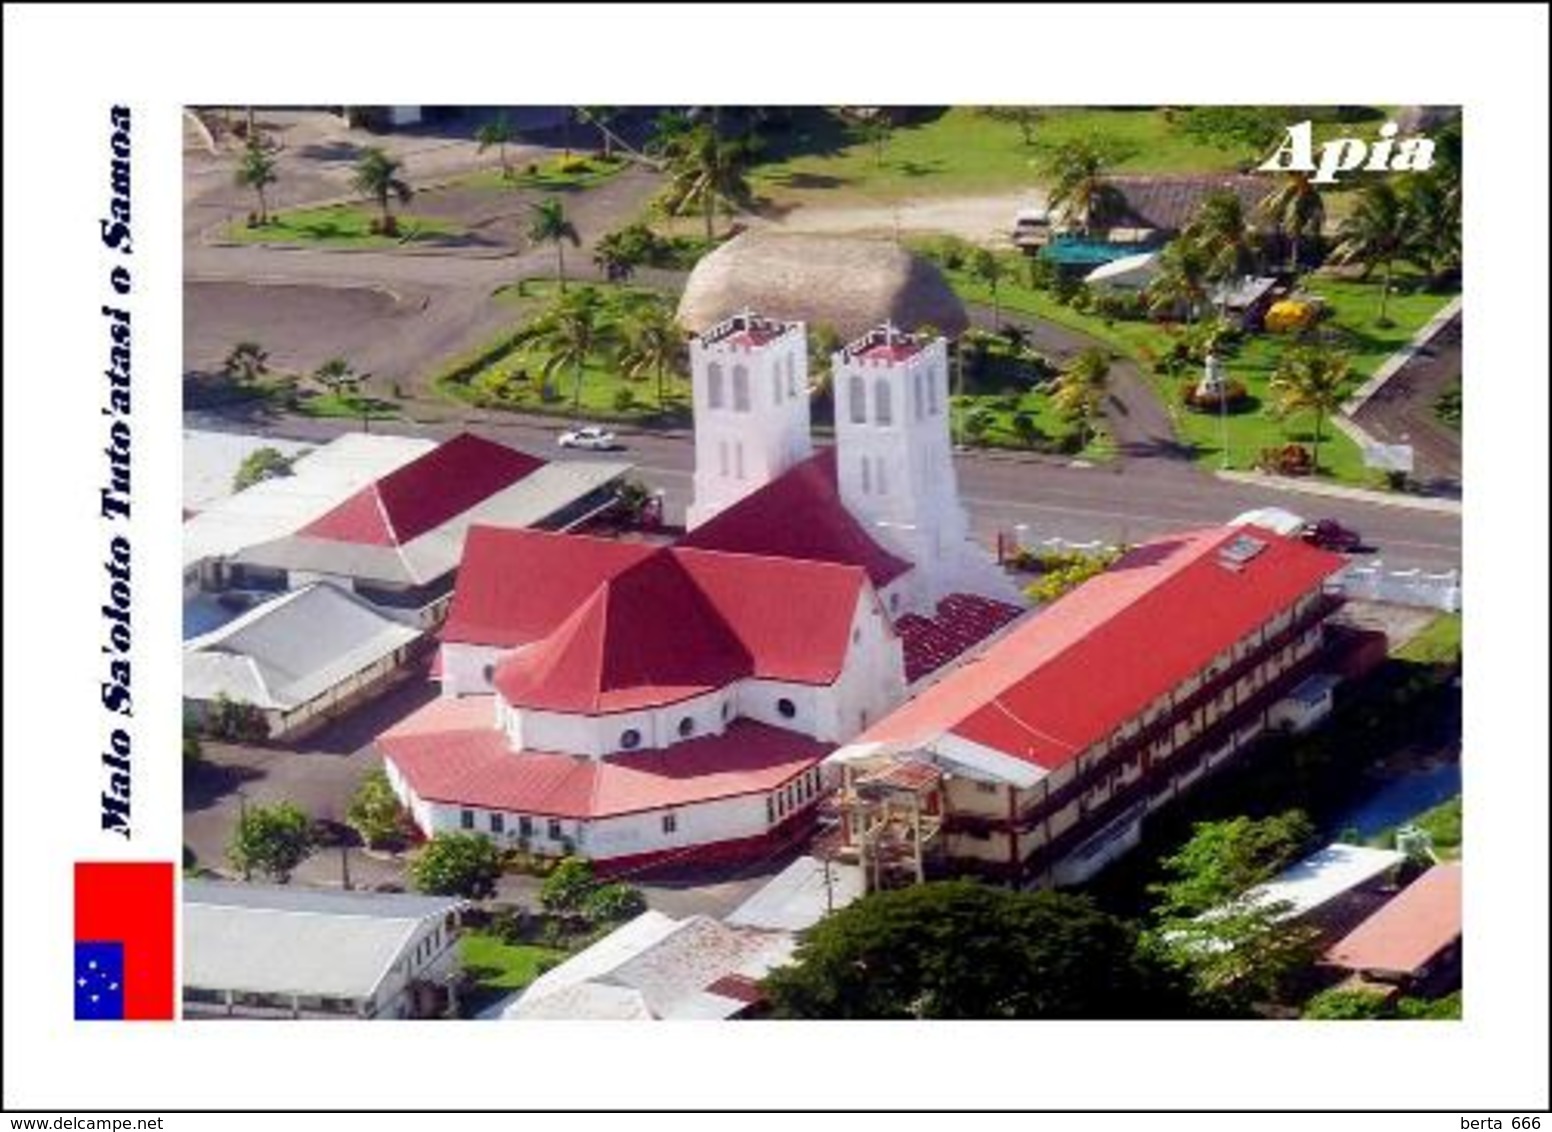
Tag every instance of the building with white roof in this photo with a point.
(1312, 885)
(211, 461)
(254, 951)
(659, 968)
(297, 658)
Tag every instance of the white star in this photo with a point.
(80, 982)
(92, 964)
(113, 986)
(94, 998)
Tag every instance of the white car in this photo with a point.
(591, 436)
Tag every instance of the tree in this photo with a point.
(877, 130)
(566, 890)
(1433, 227)
(613, 903)
(273, 840)
(670, 129)
(256, 171)
(1025, 428)
(457, 864)
(338, 377)
(1297, 210)
(1079, 188)
(193, 749)
(1223, 859)
(654, 344)
(246, 363)
(1184, 270)
(377, 176)
(569, 334)
(1026, 118)
(1375, 235)
(1224, 235)
(1080, 389)
(497, 133)
(1310, 378)
(548, 225)
(261, 464)
(1340, 1004)
(375, 812)
(1239, 954)
(706, 169)
(600, 117)
(987, 268)
(959, 949)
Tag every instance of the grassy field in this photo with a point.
(339, 224)
(504, 966)
(506, 373)
(556, 175)
(963, 151)
(1354, 305)
(1439, 643)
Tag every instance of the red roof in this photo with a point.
(1073, 673)
(898, 351)
(451, 752)
(425, 493)
(799, 515)
(515, 586)
(646, 637)
(615, 626)
(1409, 930)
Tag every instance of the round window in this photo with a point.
(630, 739)
(786, 707)
(686, 726)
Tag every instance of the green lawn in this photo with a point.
(347, 406)
(506, 373)
(556, 175)
(338, 224)
(1439, 643)
(1355, 308)
(963, 151)
(503, 966)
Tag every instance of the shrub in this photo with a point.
(573, 165)
(1234, 397)
(1128, 307)
(568, 886)
(1339, 1004)
(1291, 316)
(613, 903)
(271, 839)
(375, 813)
(457, 864)
(624, 399)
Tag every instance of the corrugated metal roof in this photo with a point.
(211, 460)
(294, 941)
(288, 650)
(1324, 876)
(319, 481)
(1409, 930)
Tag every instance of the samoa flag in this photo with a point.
(123, 940)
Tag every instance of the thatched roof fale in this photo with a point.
(850, 284)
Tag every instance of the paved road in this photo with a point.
(1402, 411)
(1127, 500)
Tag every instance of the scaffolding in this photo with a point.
(886, 818)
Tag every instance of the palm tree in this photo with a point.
(1079, 187)
(1080, 389)
(256, 171)
(246, 363)
(377, 176)
(496, 133)
(338, 377)
(548, 225)
(1184, 270)
(1312, 379)
(600, 117)
(1296, 209)
(987, 268)
(569, 334)
(1432, 215)
(1222, 232)
(669, 131)
(707, 168)
(1375, 235)
(654, 344)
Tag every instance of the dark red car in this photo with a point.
(1328, 534)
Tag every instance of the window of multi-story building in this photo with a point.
(714, 392)
(740, 389)
(556, 830)
(498, 823)
(670, 823)
(786, 708)
(466, 819)
(524, 826)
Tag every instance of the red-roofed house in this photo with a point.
(396, 542)
(1413, 941)
(1056, 741)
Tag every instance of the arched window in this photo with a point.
(786, 708)
(741, 389)
(917, 399)
(722, 457)
(630, 739)
(883, 409)
(686, 727)
(878, 477)
(857, 394)
(714, 392)
(776, 383)
(867, 475)
(738, 459)
(932, 392)
(792, 377)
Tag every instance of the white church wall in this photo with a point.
(467, 669)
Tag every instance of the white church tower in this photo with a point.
(896, 468)
(749, 377)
